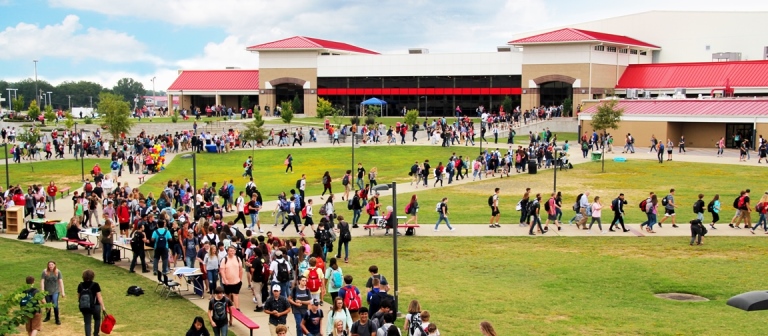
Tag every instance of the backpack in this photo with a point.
(438, 207)
(584, 145)
(136, 240)
(298, 184)
(741, 203)
(697, 206)
(313, 281)
(532, 207)
(760, 207)
(88, 187)
(336, 281)
(29, 297)
(223, 192)
(219, 309)
(415, 323)
(115, 165)
(371, 208)
(352, 299)
(303, 265)
(282, 271)
(350, 203)
(162, 241)
(86, 300)
(711, 207)
(326, 179)
(736, 202)
(665, 201)
(490, 200)
(546, 206)
(407, 208)
(285, 206)
(576, 205)
(644, 204)
(135, 291)
(344, 180)
(304, 213)
(23, 234)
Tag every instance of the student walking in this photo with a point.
(442, 210)
(651, 209)
(681, 145)
(714, 208)
(53, 284)
(669, 207)
(91, 302)
(533, 211)
(618, 213)
(597, 211)
(761, 210)
(670, 147)
(552, 208)
(288, 163)
(326, 184)
(495, 213)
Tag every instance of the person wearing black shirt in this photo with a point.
(277, 307)
(198, 328)
(360, 175)
(92, 288)
(138, 239)
(218, 310)
(533, 211)
(426, 171)
(618, 212)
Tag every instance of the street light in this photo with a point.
(7, 176)
(10, 99)
(82, 155)
(154, 104)
(70, 103)
(384, 187)
(49, 97)
(37, 98)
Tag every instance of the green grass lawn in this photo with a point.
(63, 172)
(135, 315)
(393, 163)
(469, 203)
(571, 286)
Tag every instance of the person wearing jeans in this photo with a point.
(161, 236)
(533, 212)
(53, 284)
(343, 231)
(211, 262)
(443, 214)
(107, 235)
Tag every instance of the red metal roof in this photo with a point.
(580, 35)
(216, 80)
(693, 107)
(303, 42)
(695, 75)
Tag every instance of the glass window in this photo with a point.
(473, 82)
(599, 48)
(436, 82)
(633, 51)
(507, 81)
(364, 82)
(623, 51)
(332, 82)
(611, 49)
(399, 82)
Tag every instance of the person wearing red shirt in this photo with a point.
(96, 170)
(18, 198)
(124, 218)
(50, 198)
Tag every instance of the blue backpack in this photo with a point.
(285, 205)
(162, 241)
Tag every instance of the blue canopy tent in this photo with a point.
(374, 101)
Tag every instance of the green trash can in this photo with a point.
(596, 156)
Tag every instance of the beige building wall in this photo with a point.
(761, 129)
(704, 135)
(604, 78)
(230, 101)
(306, 74)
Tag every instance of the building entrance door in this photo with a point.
(744, 131)
(555, 93)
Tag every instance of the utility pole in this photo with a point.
(49, 98)
(91, 98)
(38, 97)
(10, 99)
(70, 103)
(154, 103)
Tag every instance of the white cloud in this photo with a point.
(66, 40)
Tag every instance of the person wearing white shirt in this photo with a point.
(240, 204)
(273, 269)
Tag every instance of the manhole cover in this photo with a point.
(681, 297)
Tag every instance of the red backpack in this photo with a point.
(351, 298)
(313, 281)
(371, 208)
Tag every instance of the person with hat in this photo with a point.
(310, 323)
(277, 307)
(280, 270)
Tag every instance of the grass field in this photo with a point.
(571, 286)
(135, 315)
(392, 162)
(469, 202)
(63, 172)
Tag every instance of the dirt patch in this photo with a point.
(681, 297)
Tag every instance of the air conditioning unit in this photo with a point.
(679, 93)
(631, 94)
(418, 51)
(647, 95)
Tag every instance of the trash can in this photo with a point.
(532, 167)
(596, 156)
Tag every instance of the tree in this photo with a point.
(69, 122)
(30, 136)
(567, 107)
(371, 112)
(286, 112)
(81, 92)
(128, 89)
(507, 104)
(324, 108)
(296, 105)
(34, 111)
(49, 115)
(412, 117)
(18, 103)
(245, 103)
(608, 116)
(116, 114)
(254, 131)
(12, 314)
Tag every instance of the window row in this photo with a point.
(505, 81)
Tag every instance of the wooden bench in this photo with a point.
(63, 190)
(141, 178)
(88, 245)
(370, 227)
(247, 322)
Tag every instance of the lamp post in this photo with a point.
(194, 176)
(557, 163)
(393, 186)
(80, 145)
(91, 99)
(49, 97)
(69, 97)
(37, 98)
(10, 99)
(7, 176)
(154, 104)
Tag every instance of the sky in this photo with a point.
(105, 40)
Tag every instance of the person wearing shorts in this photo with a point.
(552, 213)
(308, 218)
(669, 209)
(495, 213)
(231, 271)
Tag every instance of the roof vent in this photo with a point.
(726, 56)
(232, 68)
(504, 48)
(416, 51)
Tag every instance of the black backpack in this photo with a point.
(223, 192)
(219, 309)
(86, 300)
(711, 207)
(490, 200)
(298, 184)
(282, 271)
(23, 234)
(135, 291)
